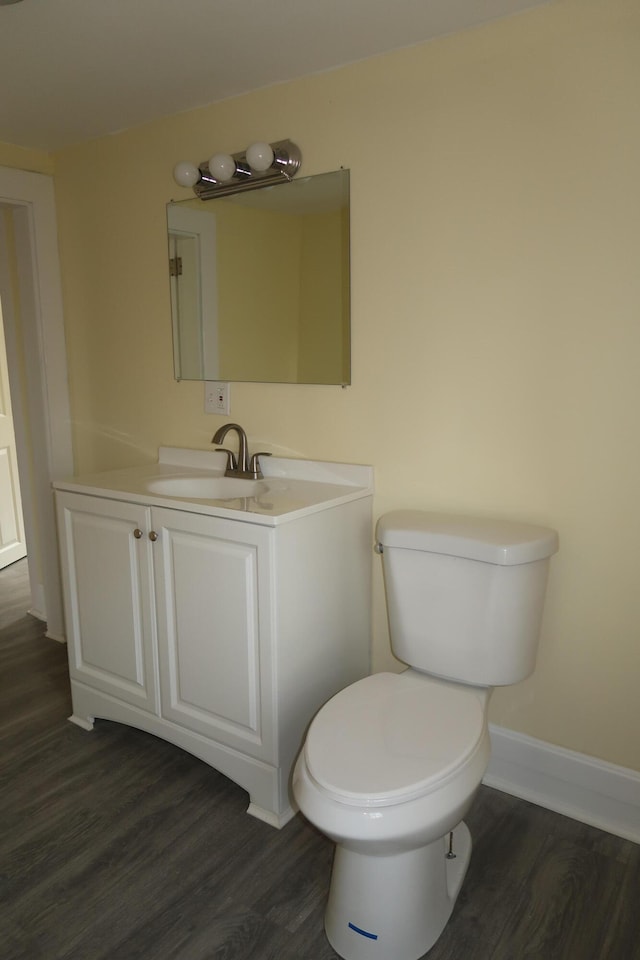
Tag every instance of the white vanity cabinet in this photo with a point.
(221, 635)
(200, 585)
(109, 596)
(214, 615)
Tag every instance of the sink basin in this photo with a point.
(207, 488)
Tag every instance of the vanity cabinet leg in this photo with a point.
(85, 722)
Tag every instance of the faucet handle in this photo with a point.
(254, 466)
(231, 459)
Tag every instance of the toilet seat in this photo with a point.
(394, 737)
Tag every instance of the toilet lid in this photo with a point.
(393, 736)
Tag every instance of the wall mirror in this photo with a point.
(260, 283)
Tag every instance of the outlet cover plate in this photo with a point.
(216, 397)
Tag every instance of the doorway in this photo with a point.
(37, 373)
(13, 545)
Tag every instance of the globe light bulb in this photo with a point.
(222, 166)
(186, 173)
(259, 156)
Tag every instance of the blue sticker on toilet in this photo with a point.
(363, 933)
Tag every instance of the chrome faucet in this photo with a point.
(239, 466)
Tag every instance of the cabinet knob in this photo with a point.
(137, 533)
(153, 535)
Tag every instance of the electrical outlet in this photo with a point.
(216, 397)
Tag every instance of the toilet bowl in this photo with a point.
(389, 797)
(391, 764)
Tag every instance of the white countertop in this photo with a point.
(292, 488)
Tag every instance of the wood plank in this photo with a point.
(15, 592)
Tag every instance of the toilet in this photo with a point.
(391, 764)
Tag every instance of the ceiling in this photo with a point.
(72, 70)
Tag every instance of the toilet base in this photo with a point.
(397, 906)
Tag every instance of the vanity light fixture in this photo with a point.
(260, 165)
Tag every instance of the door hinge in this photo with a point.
(175, 266)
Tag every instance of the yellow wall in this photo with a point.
(23, 158)
(495, 293)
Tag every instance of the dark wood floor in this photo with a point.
(117, 846)
(15, 597)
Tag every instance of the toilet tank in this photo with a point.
(465, 594)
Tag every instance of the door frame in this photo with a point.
(39, 386)
(199, 225)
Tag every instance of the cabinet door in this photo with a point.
(107, 579)
(213, 599)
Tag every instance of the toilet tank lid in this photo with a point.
(504, 542)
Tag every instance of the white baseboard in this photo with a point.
(584, 788)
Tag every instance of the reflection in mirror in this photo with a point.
(260, 283)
